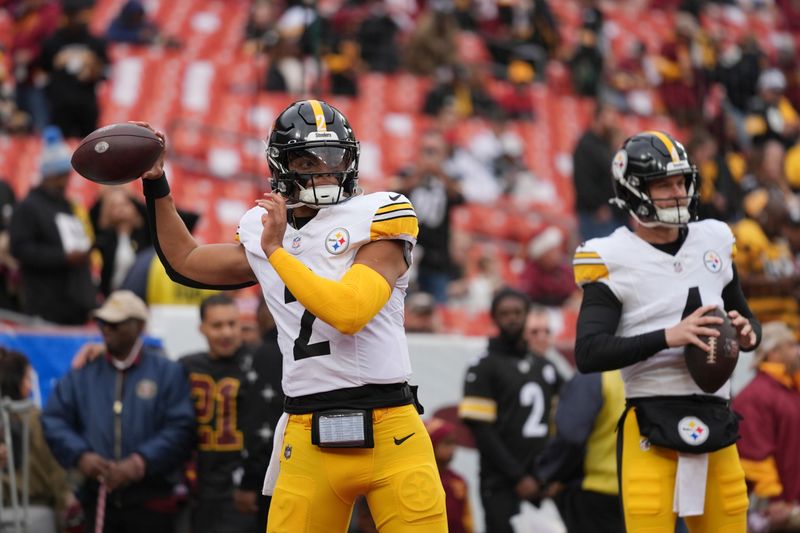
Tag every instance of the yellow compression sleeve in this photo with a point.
(347, 305)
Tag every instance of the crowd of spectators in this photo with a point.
(732, 94)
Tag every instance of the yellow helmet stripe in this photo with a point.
(319, 115)
(668, 144)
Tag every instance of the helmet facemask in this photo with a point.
(633, 194)
(297, 171)
(674, 215)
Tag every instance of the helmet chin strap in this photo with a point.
(320, 196)
(669, 217)
(673, 216)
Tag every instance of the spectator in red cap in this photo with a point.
(459, 515)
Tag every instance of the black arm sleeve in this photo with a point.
(733, 298)
(173, 274)
(492, 448)
(597, 347)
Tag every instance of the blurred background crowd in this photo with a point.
(498, 118)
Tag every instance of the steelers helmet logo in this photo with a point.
(337, 241)
(620, 164)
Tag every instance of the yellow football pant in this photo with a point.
(317, 486)
(648, 487)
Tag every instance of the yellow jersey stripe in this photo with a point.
(394, 214)
(476, 408)
(586, 255)
(589, 273)
(668, 144)
(393, 207)
(319, 115)
(476, 415)
(394, 227)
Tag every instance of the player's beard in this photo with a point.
(513, 339)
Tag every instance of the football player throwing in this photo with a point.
(332, 264)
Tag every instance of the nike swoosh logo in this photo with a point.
(401, 441)
(393, 198)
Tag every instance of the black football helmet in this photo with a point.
(314, 133)
(644, 158)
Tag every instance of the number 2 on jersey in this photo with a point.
(531, 394)
(302, 347)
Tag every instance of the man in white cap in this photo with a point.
(49, 239)
(126, 422)
(770, 429)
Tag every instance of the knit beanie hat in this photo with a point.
(55, 157)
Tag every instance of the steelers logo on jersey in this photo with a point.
(712, 261)
(549, 374)
(692, 430)
(337, 241)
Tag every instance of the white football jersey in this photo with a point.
(316, 357)
(654, 289)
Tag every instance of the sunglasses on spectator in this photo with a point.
(111, 325)
(537, 331)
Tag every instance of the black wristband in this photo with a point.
(156, 188)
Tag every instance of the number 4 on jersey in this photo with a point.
(302, 348)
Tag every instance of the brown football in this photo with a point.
(710, 370)
(116, 154)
